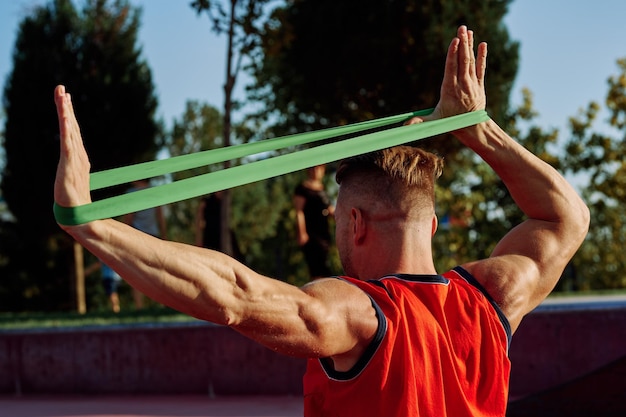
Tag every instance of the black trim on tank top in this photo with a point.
(366, 357)
(371, 349)
(427, 279)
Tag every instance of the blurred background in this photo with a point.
(160, 78)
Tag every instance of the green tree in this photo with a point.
(198, 129)
(238, 19)
(330, 63)
(95, 54)
(597, 160)
(264, 244)
(474, 207)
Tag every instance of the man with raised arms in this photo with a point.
(393, 337)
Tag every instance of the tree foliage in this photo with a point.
(238, 19)
(325, 63)
(95, 54)
(198, 129)
(262, 218)
(330, 63)
(597, 159)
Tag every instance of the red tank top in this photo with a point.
(441, 350)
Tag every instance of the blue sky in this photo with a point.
(568, 50)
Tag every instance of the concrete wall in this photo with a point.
(550, 348)
(203, 359)
(554, 346)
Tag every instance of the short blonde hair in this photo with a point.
(394, 176)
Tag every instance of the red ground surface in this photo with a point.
(149, 406)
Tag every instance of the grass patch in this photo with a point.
(563, 294)
(42, 320)
(156, 314)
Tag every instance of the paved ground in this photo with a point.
(149, 406)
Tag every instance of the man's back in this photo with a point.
(441, 349)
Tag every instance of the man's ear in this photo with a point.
(359, 226)
(435, 223)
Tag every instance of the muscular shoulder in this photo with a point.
(337, 293)
(348, 314)
(511, 281)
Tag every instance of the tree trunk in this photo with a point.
(79, 276)
(226, 241)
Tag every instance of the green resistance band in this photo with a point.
(254, 171)
(117, 176)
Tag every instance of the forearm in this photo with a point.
(537, 188)
(208, 285)
(301, 227)
(202, 283)
(205, 284)
(527, 262)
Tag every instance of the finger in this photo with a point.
(472, 62)
(68, 125)
(60, 100)
(481, 63)
(464, 55)
(451, 70)
(414, 120)
(71, 123)
(59, 93)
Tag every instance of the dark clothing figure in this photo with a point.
(211, 213)
(209, 231)
(316, 209)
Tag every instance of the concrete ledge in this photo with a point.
(598, 394)
(199, 359)
(557, 344)
(554, 345)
